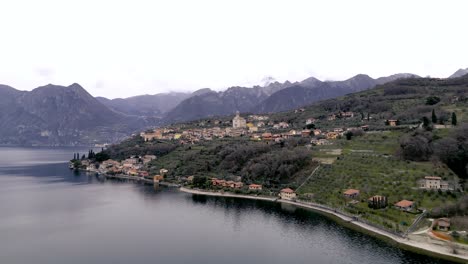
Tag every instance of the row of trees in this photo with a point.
(378, 202)
(100, 156)
(441, 120)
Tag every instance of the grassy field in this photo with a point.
(367, 164)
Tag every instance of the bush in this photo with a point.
(416, 147)
(432, 100)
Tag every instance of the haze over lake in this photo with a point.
(50, 214)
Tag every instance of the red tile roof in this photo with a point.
(351, 192)
(287, 190)
(404, 203)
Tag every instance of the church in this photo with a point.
(238, 121)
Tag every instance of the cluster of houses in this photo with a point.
(378, 201)
(257, 127)
(133, 166)
(342, 114)
(285, 194)
(234, 184)
(226, 184)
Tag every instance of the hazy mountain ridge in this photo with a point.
(274, 97)
(59, 115)
(146, 105)
(459, 73)
(226, 102)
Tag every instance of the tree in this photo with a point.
(426, 123)
(349, 135)
(446, 149)
(76, 163)
(454, 119)
(432, 100)
(101, 156)
(200, 181)
(434, 117)
(91, 154)
(416, 147)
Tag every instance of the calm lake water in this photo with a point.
(49, 214)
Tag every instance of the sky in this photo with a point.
(126, 48)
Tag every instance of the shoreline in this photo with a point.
(403, 243)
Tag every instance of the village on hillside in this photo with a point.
(256, 127)
(378, 166)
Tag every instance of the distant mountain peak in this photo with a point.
(202, 91)
(459, 73)
(395, 77)
(360, 76)
(310, 81)
(75, 85)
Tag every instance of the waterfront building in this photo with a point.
(287, 194)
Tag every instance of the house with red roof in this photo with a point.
(351, 193)
(287, 194)
(255, 187)
(405, 205)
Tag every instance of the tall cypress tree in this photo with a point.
(425, 122)
(434, 117)
(454, 119)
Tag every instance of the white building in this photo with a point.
(433, 182)
(238, 121)
(287, 194)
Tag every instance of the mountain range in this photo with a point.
(274, 97)
(56, 115)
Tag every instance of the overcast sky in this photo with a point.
(124, 48)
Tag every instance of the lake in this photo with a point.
(50, 214)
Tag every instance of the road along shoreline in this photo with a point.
(425, 248)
